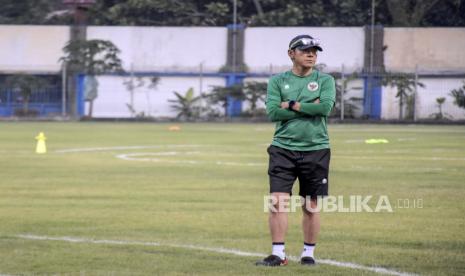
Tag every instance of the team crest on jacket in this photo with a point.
(312, 86)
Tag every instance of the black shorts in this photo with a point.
(310, 167)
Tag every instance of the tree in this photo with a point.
(28, 11)
(449, 13)
(405, 84)
(185, 105)
(249, 12)
(288, 15)
(92, 57)
(351, 104)
(409, 13)
(221, 95)
(165, 12)
(459, 96)
(440, 102)
(26, 85)
(254, 92)
(132, 86)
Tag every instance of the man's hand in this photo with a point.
(296, 107)
(285, 105)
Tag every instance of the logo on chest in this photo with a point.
(312, 86)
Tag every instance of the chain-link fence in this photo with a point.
(31, 96)
(399, 96)
(416, 96)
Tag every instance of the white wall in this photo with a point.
(26, 48)
(269, 45)
(389, 103)
(37, 49)
(429, 48)
(32, 48)
(436, 88)
(426, 99)
(114, 95)
(355, 89)
(167, 48)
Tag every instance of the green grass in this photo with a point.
(95, 195)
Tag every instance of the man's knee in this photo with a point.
(311, 206)
(279, 202)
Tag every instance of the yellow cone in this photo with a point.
(41, 147)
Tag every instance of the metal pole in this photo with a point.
(132, 90)
(372, 40)
(343, 77)
(201, 79)
(415, 92)
(234, 36)
(63, 89)
(372, 46)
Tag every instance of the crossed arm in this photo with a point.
(315, 108)
(278, 110)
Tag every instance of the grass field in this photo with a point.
(119, 187)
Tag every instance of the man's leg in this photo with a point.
(278, 219)
(310, 221)
(277, 222)
(282, 177)
(310, 228)
(313, 180)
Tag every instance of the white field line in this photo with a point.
(407, 139)
(143, 158)
(251, 164)
(409, 130)
(428, 158)
(363, 140)
(140, 155)
(410, 170)
(401, 158)
(355, 141)
(236, 252)
(126, 148)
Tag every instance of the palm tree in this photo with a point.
(185, 105)
(459, 96)
(440, 102)
(405, 84)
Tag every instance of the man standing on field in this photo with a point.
(299, 101)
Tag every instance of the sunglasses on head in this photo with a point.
(305, 41)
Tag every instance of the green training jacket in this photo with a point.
(306, 129)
